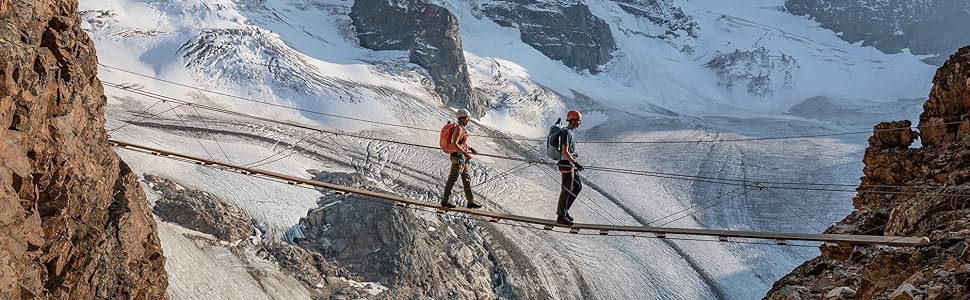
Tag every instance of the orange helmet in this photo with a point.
(573, 115)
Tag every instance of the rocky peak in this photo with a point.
(431, 36)
(946, 115)
(562, 30)
(74, 222)
(938, 175)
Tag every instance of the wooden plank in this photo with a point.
(779, 237)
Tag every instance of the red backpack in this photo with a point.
(445, 142)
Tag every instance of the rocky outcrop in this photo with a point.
(74, 222)
(664, 13)
(380, 243)
(925, 27)
(199, 211)
(935, 207)
(414, 254)
(562, 30)
(431, 36)
(944, 118)
(309, 267)
(320, 276)
(761, 71)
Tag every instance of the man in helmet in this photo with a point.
(459, 162)
(569, 167)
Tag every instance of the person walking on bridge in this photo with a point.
(454, 141)
(569, 167)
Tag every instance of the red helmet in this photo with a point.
(573, 115)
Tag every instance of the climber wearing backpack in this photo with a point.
(454, 141)
(561, 146)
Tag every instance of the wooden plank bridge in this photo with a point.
(840, 240)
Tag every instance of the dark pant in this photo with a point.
(458, 166)
(571, 186)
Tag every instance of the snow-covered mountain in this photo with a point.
(644, 70)
(933, 28)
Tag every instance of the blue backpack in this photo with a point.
(553, 148)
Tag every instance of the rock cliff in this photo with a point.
(933, 205)
(431, 36)
(74, 222)
(562, 30)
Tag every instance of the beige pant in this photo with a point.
(458, 167)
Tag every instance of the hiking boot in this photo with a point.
(564, 221)
(473, 205)
(447, 205)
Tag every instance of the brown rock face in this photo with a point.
(935, 205)
(74, 223)
(892, 135)
(949, 102)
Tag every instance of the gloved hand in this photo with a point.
(472, 150)
(578, 167)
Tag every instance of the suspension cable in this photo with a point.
(514, 138)
(694, 178)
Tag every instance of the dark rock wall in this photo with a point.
(566, 31)
(74, 222)
(431, 35)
